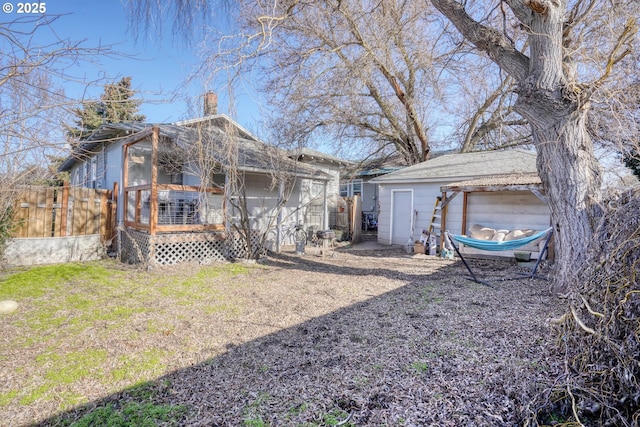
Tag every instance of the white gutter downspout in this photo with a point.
(279, 220)
(325, 206)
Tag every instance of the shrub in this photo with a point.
(600, 333)
(7, 225)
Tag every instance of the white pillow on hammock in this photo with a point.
(480, 232)
(519, 234)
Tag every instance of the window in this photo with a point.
(351, 188)
(139, 164)
(94, 171)
(344, 190)
(86, 173)
(76, 177)
(356, 188)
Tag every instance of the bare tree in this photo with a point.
(32, 102)
(561, 56)
(373, 78)
(31, 77)
(359, 71)
(487, 119)
(553, 99)
(366, 75)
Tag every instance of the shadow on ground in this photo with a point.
(440, 350)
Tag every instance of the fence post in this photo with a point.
(104, 212)
(113, 224)
(64, 209)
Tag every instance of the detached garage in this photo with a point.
(496, 189)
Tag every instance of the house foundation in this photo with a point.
(172, 248)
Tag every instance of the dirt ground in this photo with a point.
(366, 338)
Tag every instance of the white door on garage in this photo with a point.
(402, 207)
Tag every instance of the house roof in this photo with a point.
(465, 166)
(303, 154)
(220, 121)
(375, 166)
(253, 154)
(377, 171)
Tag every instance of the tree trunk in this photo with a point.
(565, 159)
(570, 174)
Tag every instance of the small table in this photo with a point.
(327, 237)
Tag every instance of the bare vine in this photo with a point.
(600, 334)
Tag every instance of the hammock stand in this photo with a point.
(489, 245)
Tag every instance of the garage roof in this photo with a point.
(466, 166)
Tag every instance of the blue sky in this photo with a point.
(159, 66)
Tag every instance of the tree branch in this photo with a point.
(470, 140)
(487, 39)
(615, 56)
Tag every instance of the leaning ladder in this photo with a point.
(437, 215)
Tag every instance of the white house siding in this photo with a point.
(424, 197)
(384, 215)
(262, 201)
(333, 185)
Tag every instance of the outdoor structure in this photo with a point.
(357, 181)
(188, 191)
(495, 189)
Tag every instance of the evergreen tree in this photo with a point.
(116, 105)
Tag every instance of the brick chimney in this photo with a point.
(210, 103)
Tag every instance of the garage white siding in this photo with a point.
(424, 198)
(506, 210)
(499, 209)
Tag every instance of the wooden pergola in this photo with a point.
(519, 182)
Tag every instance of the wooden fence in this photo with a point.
(64, 211)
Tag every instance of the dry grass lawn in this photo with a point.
(366, 338)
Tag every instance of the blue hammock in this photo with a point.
(489, 245)
(506, 245)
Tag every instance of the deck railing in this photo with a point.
(176, 208)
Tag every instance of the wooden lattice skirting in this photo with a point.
(168, 249)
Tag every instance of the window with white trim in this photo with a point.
(94, 171)
(351, 188)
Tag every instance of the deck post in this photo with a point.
(443, 220)
(153, 205)
(465, 200)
